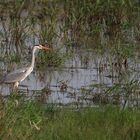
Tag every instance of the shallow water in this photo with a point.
(77, 82)
(88, 76)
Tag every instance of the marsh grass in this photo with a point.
(100, 25)
(52, 59)
(86, 20)
(32, 120)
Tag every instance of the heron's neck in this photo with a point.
(33, 58)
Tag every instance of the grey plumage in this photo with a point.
(15, 76)
(19, 75)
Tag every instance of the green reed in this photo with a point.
(32, 120)
(81, 22)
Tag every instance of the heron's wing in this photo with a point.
(21, 70)
(15, 76)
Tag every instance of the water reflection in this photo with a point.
(87, 76)
(78, 82)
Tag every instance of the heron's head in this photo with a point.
(43, 47)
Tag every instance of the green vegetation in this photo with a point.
(53, 59)
(108, 28)
(22, 120)
(97, 24)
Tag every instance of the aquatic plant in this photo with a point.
(32, 120)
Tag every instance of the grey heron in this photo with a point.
(19, 75)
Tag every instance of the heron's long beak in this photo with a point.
(45, 47)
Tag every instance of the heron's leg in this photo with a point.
(16, 86)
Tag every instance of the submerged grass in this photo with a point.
(100, 25)
(111, 25)
(78, 21)
(32, 120)
(53, 59)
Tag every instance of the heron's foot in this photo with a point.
(16, 85)
(15, 89)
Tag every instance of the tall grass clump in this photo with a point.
(93, 23)
(20, 119)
